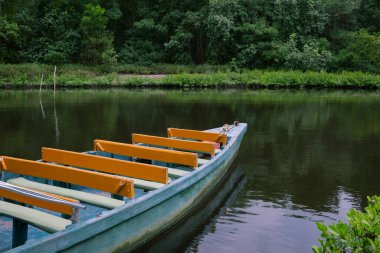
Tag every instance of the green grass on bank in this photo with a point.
(29, 75)
(37, 69)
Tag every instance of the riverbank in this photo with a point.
(75, 76)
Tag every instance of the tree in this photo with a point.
(9, 40)
(97, 41)
(369, 15)
(259, 45)
(223, 19)
(59, 40)
(143, 43)
(305, 17)
(361, 51)
(341, 15)
(179, 46)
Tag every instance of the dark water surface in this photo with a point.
(306, 157)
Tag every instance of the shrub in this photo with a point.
(361, 234)
(54, 57)
(140, 52)
(306, 54)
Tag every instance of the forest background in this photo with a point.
(318, 35)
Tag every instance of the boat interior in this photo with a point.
(65, 187)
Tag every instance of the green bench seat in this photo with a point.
(39, 219)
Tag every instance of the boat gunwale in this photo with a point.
(133, 207)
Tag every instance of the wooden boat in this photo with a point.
(154, 183)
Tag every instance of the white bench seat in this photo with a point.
(202, 161)
(177, 173)
(85, 197)
(146, 185)
(39, 219)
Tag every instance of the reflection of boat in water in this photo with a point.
(152, 188)
(202, 220)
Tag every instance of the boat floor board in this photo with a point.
(85, 197)
(39, 219)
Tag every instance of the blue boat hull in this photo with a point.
(129, 226)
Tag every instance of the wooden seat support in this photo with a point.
(197, 135)
(104, 182)
(173, 143)
(125, 168)
(155, 154)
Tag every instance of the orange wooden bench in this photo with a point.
(114, 166)
(155, 154)
(197, 135)
(173, 143)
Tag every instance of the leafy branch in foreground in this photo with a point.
(361, 234)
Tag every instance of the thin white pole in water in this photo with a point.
(55, 70)
(57, 133)
(42, 78)
(42, 107)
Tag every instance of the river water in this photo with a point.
(307, 156)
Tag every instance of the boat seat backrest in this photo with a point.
(114, 166)
(148, 153)
(104, 182)
(201, 147)
(198, 135)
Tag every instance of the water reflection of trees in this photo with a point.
(300, 146)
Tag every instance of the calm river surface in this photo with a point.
(307, 155)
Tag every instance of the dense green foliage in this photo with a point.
(330, 35)
(361, 234)
(29, 75)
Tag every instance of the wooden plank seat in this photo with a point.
(197, 135)
(200, 147)
(85, 197)
(148, 153)
(157, 176)
(39, 219)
